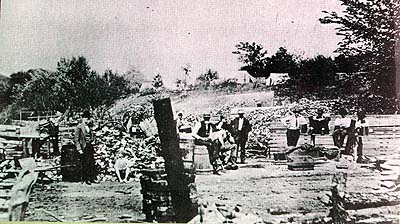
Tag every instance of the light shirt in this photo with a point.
(197, 127)
(240, 124)
(122, 164)
(362, 125)
(343, 122)
(294, 123)
(218, 135)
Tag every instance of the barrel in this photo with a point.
(70, 164)
(201, 159)
(187, 148)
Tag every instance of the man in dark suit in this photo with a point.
(240, 128)
(83, 139)
(201, 134)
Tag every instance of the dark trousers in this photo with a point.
(359, 147)
(292, 137)
(338, 136)
(54, 141)
(241, 147)
(88, 170)
(213, 152)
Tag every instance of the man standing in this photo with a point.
(341, 128)
(201, 134)
(318, 125)
(83, 139)
(293, 124)
(222, 123)
(361, 130)
(240, 128)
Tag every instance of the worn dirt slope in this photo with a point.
(204, 102)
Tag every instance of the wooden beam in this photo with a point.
(177, 180)
(397, 54)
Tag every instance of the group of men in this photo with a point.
(344, 128)
(231, 137)
(222, 137)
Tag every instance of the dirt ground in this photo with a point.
(261, 187)
(116, 202)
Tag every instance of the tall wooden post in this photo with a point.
(176, 177)
(397, 53)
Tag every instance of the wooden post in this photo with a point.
(397, 54)
(170, 151)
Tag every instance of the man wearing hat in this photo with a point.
(318, 125)
(201, 134)
(293, 124)
(240, 128)
(361, 126)
(341, 128)
(83, 139)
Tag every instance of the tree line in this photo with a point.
(73, 85)
(364, 72)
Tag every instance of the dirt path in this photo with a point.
(275, 193)
(272, 191)
(75, 201)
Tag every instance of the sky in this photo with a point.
(158, 36)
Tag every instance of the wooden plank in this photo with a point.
(177, 181)
(6, 185)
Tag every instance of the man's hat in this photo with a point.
(296, 109)
(206, 115)
(86, 114)
(240, 111)
(342, 111)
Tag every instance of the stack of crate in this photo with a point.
(157, 200)
(12, 149)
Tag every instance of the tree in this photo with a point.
(282, 62)
(187, 69)
(83, 87)
(253, 56)
(41, 92)
(136, 78)
(76, 73)
(258, 64)
(4, 87)
(207, 77)
(369, 32)
(16, 83)
(157, 81)
(116, 86)
(322, 69)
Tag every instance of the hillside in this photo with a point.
(197, 102)
(204, 102)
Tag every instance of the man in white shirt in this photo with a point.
(122, 167)
(293, 124)
(341, 129)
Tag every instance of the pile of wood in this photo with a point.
(143, 153)
(10, 149)
(157, 200)
(9, 130)
(360, 207)
(14, 195)
(210, 213)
